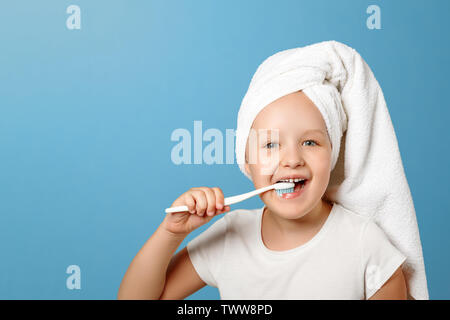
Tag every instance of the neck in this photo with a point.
(293, 227)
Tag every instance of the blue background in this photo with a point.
(86, 118)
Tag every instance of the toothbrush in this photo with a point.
(282, 186)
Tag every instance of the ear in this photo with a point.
(247, 168)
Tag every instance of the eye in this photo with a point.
(270, 143)
(311, 141)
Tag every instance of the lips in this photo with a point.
(299, 189)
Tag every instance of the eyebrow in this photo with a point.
(307, 131)
(315, 130)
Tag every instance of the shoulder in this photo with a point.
(373, 232)
(350, 222)
(366, 225)
(240, 223)
(233, 222)
(241, 218)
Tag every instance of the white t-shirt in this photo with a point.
(349, 258)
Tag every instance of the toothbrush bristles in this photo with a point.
(284, 187)
(281, 191)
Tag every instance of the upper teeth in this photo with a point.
(292, 180)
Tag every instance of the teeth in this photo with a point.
(291, 180)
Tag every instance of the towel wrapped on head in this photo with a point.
(367, 172)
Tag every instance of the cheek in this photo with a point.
(322, 159)
(321, 167)
(263, 167)
(322, 172)
(265, 171)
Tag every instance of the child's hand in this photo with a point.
(203, 202)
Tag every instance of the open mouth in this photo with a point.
(294, 192)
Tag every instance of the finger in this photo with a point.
(200, 202)
(225, 209)
(219, 198)
(190, 202)
(211, 198)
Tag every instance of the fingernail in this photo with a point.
(219, 206)
(210, 213)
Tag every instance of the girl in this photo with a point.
(304, 244)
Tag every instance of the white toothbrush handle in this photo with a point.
(227, 201)
(245, 196)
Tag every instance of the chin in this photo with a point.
(292, 215)
(289, 207)
(287, 210)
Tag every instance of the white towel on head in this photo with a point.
(367, 171)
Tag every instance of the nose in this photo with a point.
(292, 157)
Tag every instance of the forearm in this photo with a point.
(146, 275)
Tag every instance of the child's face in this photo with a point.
(288, 148)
